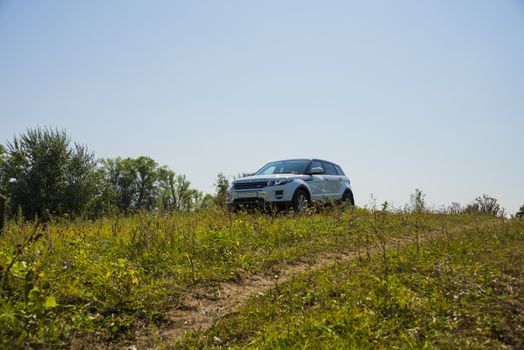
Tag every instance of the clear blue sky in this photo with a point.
(402, 94)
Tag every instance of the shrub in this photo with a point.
(43, 172)
(417, 201)
(520, 214)
(485, 204)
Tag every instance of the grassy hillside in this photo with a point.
(461, 290)
(73, 282)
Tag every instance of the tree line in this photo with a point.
(44, 173)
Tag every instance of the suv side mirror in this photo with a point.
(316, 170)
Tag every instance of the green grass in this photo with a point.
(460, 290)
(77, 282)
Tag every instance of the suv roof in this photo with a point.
(308, 159)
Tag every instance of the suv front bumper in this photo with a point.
(277, 195)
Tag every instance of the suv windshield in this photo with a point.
(284, 167)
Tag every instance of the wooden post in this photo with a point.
(3, 209)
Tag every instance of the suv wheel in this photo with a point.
(299, 201)
(347, 198)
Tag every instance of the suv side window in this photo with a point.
(329, 168)
(339, 170)
(316, 164)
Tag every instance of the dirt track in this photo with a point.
(201, 310)
(202, 313)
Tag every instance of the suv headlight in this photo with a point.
(278, 182)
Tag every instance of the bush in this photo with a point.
(485, 205)
(417, 201)
(43, 173)
(520, 214)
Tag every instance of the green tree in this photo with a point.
(175, 192)
(3, 155)
(167, 188)
(134, 182)
(221, 186)
(146, 174)
(520, 214)
(417, 201)
(105, 200)
(119, 175)
(184, 196)
(208, 201)
(43, 172)
(141, 184)
(81, 183)
(196, 199)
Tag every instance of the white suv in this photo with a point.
(293, 182)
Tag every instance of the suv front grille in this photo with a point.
(249, 185)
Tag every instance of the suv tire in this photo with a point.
(300, 201)
(347, 198)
